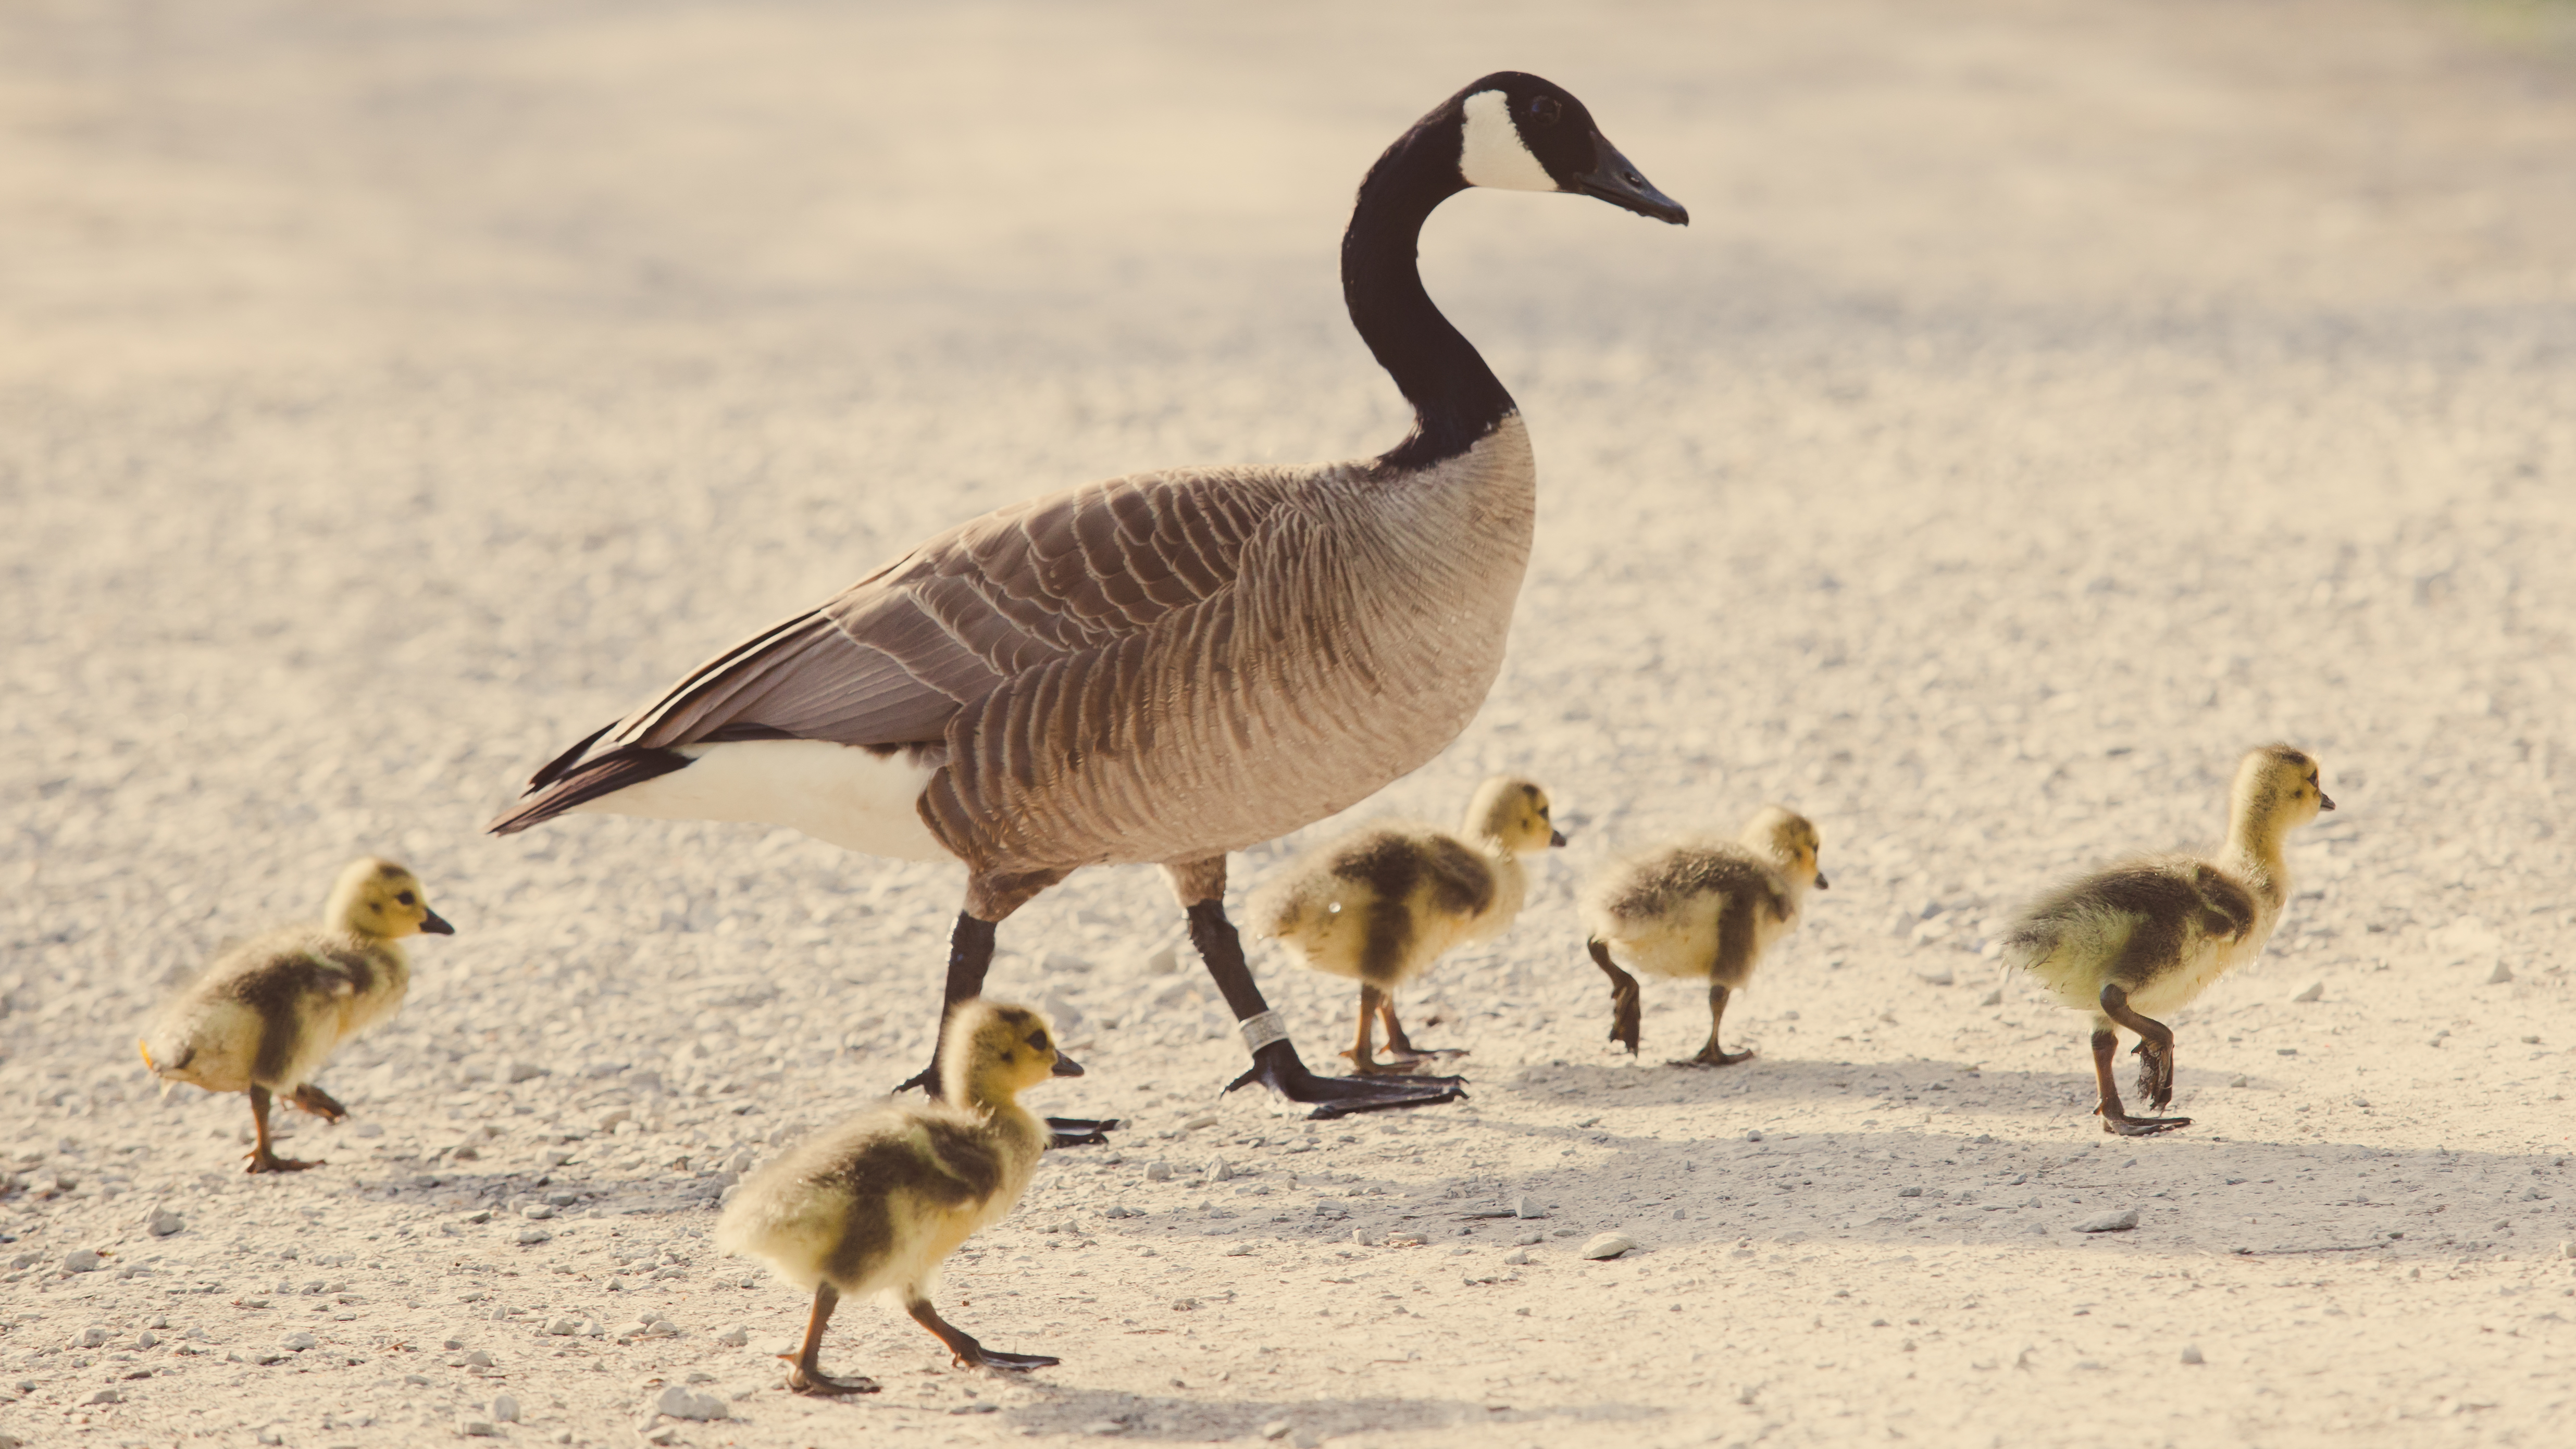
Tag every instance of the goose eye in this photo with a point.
(407, 898)
(1544, 110)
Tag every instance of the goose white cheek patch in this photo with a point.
(1491, 153)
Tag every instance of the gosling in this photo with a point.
(2149, 935)
(1701, 909)
(877, 1203)
(1384, 902)
(268, 1013)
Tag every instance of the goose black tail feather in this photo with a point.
(556, 790)
(554, 769)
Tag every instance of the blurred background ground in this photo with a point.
(2046, 402)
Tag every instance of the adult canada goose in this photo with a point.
(878, 1202)
(2149, 935)
(268, 1013)
(1160, 668)
(1700, 910)
(1382, 903)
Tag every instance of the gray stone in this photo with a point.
(1608, 1245)
(2119, 1222)
(82, 1260)
(679, 1403)
(163, 1223)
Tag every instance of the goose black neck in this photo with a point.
(1456, 398)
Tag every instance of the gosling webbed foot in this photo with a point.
(803, 1380)
(995, 1359)
(1711, 1056)
(263, 1160)
(1626, 1003)
(1277, 1067)
(2155, 1072)
(312, 1099)
(1081, 1131)
(2121, 1124)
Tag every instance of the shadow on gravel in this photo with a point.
(1200, 1420)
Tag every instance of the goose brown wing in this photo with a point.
(892, 659)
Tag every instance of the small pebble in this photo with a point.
(1518, 1258)
(505, 1409)
(2119, 1222)
(2316, 992)
(2191, 1353)
(1218, 1170)
(1608, 1245)
(2502, 975)
(164, 1222)
(106, 1396)
(537, 1212)
(734, 1337)
(93, 1337)
(1753, 1136)
(1158, 1172)
(82, 1260)
(530, 1237)
(1526, 1206)
(297, 1342)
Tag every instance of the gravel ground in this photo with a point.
(2046, 403)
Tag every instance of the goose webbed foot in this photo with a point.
(312, 1099)
(803, 1380)
(1711, 1056)
(1278, 1067)
(263, 1160)
(1081, 1131)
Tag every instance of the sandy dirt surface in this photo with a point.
(2046, 402)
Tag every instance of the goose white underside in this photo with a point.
(850, 797)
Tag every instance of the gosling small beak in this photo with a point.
(1556, 838)
(2324, 801)
(1823, 884)
(1066, 1066)
(436, 924)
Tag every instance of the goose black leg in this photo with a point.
(970, 957)
(310, 1098)
(962, 1345)
(2155, 1049)
(1276, 1064)
(2115, 1117)
(803, 1374)
(1713, 1055)
(1624, 1006)
(261, 1158)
